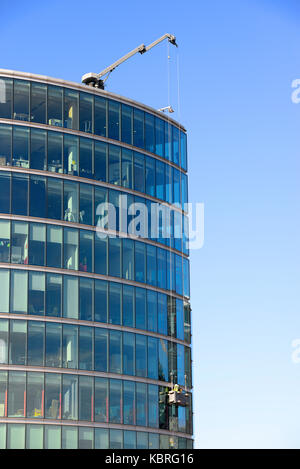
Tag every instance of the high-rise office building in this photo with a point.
(95, 324)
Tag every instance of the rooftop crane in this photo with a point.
(96, 80)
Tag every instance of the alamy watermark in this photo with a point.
(152, 221)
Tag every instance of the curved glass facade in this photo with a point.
(95, 320)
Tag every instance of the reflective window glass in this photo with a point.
(115, 401)
(86, 438)
(180, 365)
(5, 142)
(4, 290)
(115, 353)
(36, 294)
(19, 194)
(17, 391)
(140, 308)
(128, 306)
(38, 103)
(168, 141)
(163, 369)
(178, 266)
(18, 299)
(141, 355)
(138, 128)
(86, 204)
(53, 347)
(71, 108)
(127, 115)
(70, 297)
(161, 268)
(159, 136)
(37, 244)
(141, 404)
(86, 405)
(19, 248)
(15, 436)
(54, 246)
(100, 301)
(71, 155)
(142, 440)
(3, 354)
(101, 400)
(128, 353)
(150, 176)
(86, 299)
(151, 264)
(176, 142)
(54, 199)
(71, 201)
(55, 148)
(55, 105)
(35, 395)
(37, 205)
(153, 406)
(69, 437)
(139, 172)
(114, 120)
(38, 139)
(129, 439)
(52, 437)
(127, 175)
(54, 295)
(183, 155)
(85, 348)
(114, 266)
(21, 100)
(6, 91)
(101, 349)
(162, 313)
(86, 158)
(100, 161)
(20, 147)
(114, 168)
(100, 260)
(86, 112)
(4, 241)
(86, 251)
(70, 346)
(140, 261)
(128, 258)
(100, 116)
(52, 396)
(70, 249)
(129, 402)
(160, 180)
(35, 345)
(152, 310)
(179, 320)
(149, 133)
(101, 438)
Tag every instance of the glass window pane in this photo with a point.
(85, 348)
(129, 439)
(86, 112)
(151, 265)
(163, 370)
(6, 90)
(171, 316)
(52, 437)
(160, 180)
(115, 302)
(159, 136)
(71, 201)
(101, 438)
(153, 406)
(54, 246)
(71, 108)
(35, 395)
(86, 405)
(161, 268)
(152, 358)
(38, 103)
(70, 249)
(175, 145)
(4, 241)
(20, 147)
(138, 128)
(114, 168)
(18, 299)
(5, 141)
(140, 261)
(141, 355)
(150, 176)
(70, 297)
(19, 194)
(4, 291)
(129, 402)
(127, 175)
(153, 441)
(54, 105)
(15, 436)
(36, 294)
(86, 438)
(149, 133)
(178, 266)
(142, 440)
(3, 351)
(140, 308)
(71, 155)
(86, 204)
(114, 120)
(127, 116)
(116, 439)
(70, 346)
(5, 183)
(183, 155)
(168, 141)
(52, 396)
(128, 353)
(141, 404)
(3, 436)
(152, 310)
(180, 365)
(86, 299)
(69, 437)
(100, 162)
(53, 345)
(179, 320)
(187, 322)
(100, 301)
(70, 397)
(101, 400)
(35, 344)
(86, 251)
(37, 244)
(114, 257)
(17, 342)
(38, 140)
(101, 349)
(17, 395)
(86, 158)
(21, 100)
(139, 172)
(128, 306)
(115, 352)
(100, 255)
(100, 116)
(128, 259)
(55, 147)
(115, 401)
(54, 295)
(54, 196)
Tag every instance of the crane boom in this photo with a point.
(96, 79)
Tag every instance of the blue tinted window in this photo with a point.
(55, 148)
(38, 149)
(5, 143)
(21, 100)
(114, 120)
(86, 251)
(138, 128)
(152, 310)
(152, 358)
(55, 105)
(179, 320)
(5, 191)
(53, 349)
(71, 109)
(37, 206)
(176, 145)
(161, 268)
(128, 258)
(178, 264)
(86, 204)
(128, 306)
(86, 411)
(101, 400)
(186, 277)
(168, 141)
(176, 182)
(101, 349)
(139, 172)
(86, 158)
(115, 404)
(150, 176)
(114, 257)
(183, 151)
(20, 147)
(127, 116)
(85, 348)
(140, 308)
(114, 168)
(35, 343)
(100, 161)
(71, 201)
(127, 176)
(151, 265)
(53, 295)
(115, 353)
(100, 255)
(128, 353)
(115, 291)
(6, 91)
(141, 404)
(100, 301)
(100, 116)
(141, 355)
(152, 406)
(71, 155)
(37, 244)
(19, 194)
(54, 198)
(38, 102)
(180, 365)
(163, 370)
(86, 286)
(159, 137)
(160, 180)
(86, 112)
(129, 403)
(140, 261)
(149, 133)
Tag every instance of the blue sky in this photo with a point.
(237, 60)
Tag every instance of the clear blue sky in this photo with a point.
(237, 60)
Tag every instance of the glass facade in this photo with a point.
(95, 319)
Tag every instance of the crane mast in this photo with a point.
(97, 80)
